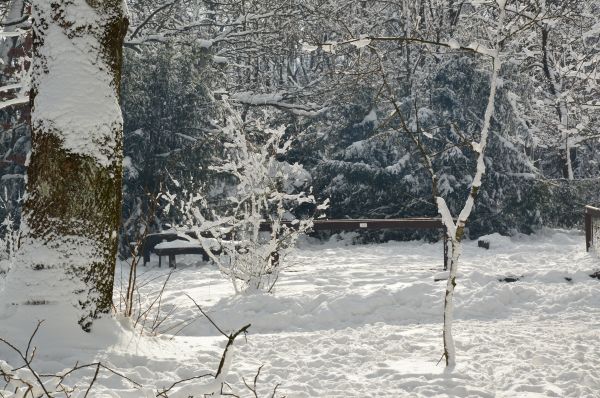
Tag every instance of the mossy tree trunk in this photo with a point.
(72, 208)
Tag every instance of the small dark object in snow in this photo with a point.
(441, 276)
(484, 244)
(509, 279)
(595, 275)
(568, 279)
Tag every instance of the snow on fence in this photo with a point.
(592, 229)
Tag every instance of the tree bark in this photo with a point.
(555, 87)
(72, 209)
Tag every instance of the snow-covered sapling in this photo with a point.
(456, 230)
(259, 228)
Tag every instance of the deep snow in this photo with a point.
(361, 321)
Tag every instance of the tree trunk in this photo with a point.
(72, 209)
(562, 111)
(456, 230)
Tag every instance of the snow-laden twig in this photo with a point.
(14, 101)
(16, 33)
(474, 47)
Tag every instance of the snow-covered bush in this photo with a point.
(267, 207)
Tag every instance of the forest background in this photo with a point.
(378, 98)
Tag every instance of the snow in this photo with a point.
(183, 244)
(446, 216)
(309, 47)
(371, 117)
(204, 43)
(7, 177)
(177, 244)
(27, 284)
(360, 43)
(257, 99)
(329, 47)
(75, 99)
(220, 60)
(15, 101)
(453, 44)
(5, 34)
(357, 321)
(397, 167)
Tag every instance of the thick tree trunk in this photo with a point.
(72, 208)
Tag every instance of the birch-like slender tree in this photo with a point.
(456, 230)
(71, 212)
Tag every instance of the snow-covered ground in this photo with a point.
(365, 321)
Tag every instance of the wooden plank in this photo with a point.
(368, 224)
(592, 211)
(588, 232)
(179, 250)
(377, 224)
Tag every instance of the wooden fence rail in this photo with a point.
(378, 224)
(318, 225)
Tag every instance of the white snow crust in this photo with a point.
(76, 98)
(47, 285)
(359, 321)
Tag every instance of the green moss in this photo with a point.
(460, 233)
(71, 195)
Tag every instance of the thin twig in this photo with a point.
(93, 380)
(207, 317)
(27, 361)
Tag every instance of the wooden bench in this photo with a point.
(174, 251)
(154, 239)
(185, 244)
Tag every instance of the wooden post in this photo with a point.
(588, 230)
(590, 213)
(146, 251)
(445, 248)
